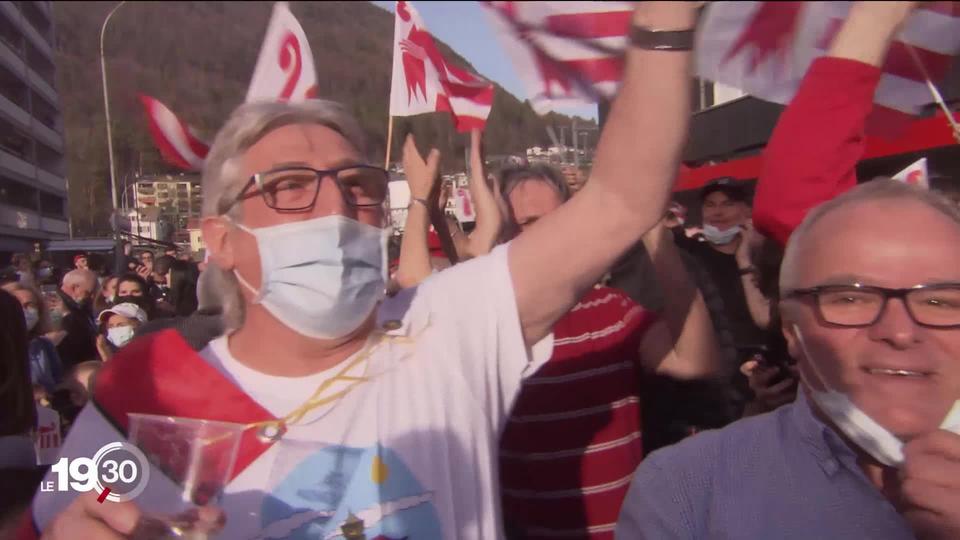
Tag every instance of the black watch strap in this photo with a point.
(747, 270)
(661, 40)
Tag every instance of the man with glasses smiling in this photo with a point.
(871, 448)
(372, 417)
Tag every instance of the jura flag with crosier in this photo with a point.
(764, 49)
(284, 70)
(177, 142)
(424, 81)
(915, 174)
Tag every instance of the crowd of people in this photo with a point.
(580, 364)
(78, 318)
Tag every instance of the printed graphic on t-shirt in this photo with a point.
(341, 492)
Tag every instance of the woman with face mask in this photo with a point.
(46, 370)
(117, 326)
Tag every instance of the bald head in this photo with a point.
(881, 216)
(79, 285)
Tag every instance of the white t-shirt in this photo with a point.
(412, 452)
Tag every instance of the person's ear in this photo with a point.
(787, 327)
(216, 232)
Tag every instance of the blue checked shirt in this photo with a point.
(783, 475)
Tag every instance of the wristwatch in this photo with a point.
(661, 40)
(748, 270)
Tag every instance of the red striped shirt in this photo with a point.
(573, 440)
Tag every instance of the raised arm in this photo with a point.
(489, 219)
(805, 163)
(414, 252)
(568, 250)
(683, 344)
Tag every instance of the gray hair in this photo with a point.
(80, 277)
(875, 190)
(222, 181)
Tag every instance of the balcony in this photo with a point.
(37, 39)
(18, 218)
(52, 180)
(10, 57)
(13, 163)
(54, 226)
(42, 86)
(14, 112)
(48, 136)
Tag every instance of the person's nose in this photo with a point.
(895, 325)
(331, 201)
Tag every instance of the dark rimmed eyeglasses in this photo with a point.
(295, 189)
(859, 306)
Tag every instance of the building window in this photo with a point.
(41, 65)
(13, 88)
(49, 159)
(10, 34)
(52, 205)
(38, 19)
(15, 141)
(44, 113)
(17, 194)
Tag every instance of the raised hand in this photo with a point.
(421, 174)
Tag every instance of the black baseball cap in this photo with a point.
(729, 186)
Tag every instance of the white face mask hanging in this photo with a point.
(717, 237)
(859, 427)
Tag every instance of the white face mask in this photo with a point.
(860, 428)
(718, 237)
(120, 335)
(32, 317)
(45, 273)
(321, 277)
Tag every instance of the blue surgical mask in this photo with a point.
(857, 425)
(717, 237)
(320, 277)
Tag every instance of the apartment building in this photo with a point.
(33, 187)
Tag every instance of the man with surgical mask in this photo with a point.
(870, 290)
(724, 255)
(365, 415)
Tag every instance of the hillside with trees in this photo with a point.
(197, 57)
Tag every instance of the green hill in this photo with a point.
(197, 57)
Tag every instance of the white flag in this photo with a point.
(915, 174)
(423, 81)
(284, 69)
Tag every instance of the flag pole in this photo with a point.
(386, 160)
(935, 92)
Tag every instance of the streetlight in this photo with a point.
(113, 173)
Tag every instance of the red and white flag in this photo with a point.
(572, 52)
(178, 144)
(764, 49)
(284, 70)
(915, 174)
(566, 53)
(424, 81)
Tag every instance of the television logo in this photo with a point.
(118, 472)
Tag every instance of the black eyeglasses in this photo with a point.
(858, 306)
(295, 189)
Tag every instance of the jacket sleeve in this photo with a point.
(813, 152)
